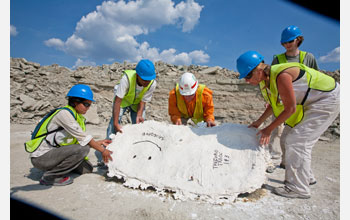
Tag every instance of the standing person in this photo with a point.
(60, 145)
(133, 91)
(306, 100)
(291, 39)
(191, 100)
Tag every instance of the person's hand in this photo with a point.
(118, 128)
(139, 119)
(265, 136)
(106, 155)
(178, 122)
(104, 142)
(210, 123)
(255, 124)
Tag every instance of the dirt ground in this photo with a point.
(92, 197)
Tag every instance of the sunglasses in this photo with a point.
(288, 42)
(86, 104)
(250, 75)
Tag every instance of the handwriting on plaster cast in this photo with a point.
(219, 159)
(153, 135)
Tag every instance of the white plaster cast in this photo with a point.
(211, 164)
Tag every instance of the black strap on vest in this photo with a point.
(50, 132)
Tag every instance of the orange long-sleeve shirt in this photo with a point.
(208, 106)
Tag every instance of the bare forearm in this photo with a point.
(267, 113)
(116, 110)
(140, 108)
(96, 145)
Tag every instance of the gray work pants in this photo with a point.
(60, 161)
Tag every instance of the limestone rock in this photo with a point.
(50, 84)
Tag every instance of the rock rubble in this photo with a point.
(36, 89)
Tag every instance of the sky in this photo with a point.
(201, 32)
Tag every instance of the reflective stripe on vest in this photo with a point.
(130, 98)
(316, 80)
(198, 111)
(281, 58)
(40, 136)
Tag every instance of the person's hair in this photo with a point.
(301, 39)
(73, 100)
(267, 69)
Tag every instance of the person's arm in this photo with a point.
(116, 112)
(267, 113)
(70, 125)
(99, 146)
(208, 107)
(173, 111)
(275, 60)
(312, 61)
(140, 107)
(286, 92)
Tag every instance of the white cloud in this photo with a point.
(170, 55)
(55, 42)
(13, 30)
(110, 32)
(81, 62)
(199, 56)
(331, 57)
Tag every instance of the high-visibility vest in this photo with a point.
(198, 111)
(130, 98)
(41, 130)
(316, 80)
(281, 58)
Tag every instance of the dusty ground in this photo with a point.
(92, 197)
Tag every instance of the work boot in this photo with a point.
(61, 181)
(84, 167)
(102, 165)
(310, 184)
(270, 169)
(288, 193)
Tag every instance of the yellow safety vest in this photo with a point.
(130, 98)
(316, 80)
(198, 111)
(41, 130)
(281, 58)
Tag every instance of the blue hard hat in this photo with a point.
(247, 62)
(145, 69)
(290, 33)
(81, 91)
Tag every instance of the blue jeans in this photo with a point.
(111, 128)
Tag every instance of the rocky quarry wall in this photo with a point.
(36, 89)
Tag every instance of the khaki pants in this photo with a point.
(298, 141)
(275, 146)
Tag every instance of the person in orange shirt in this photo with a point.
(191, 100)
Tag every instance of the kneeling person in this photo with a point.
(61, 144)
(191, 100)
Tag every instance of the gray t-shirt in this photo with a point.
(309, 60)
